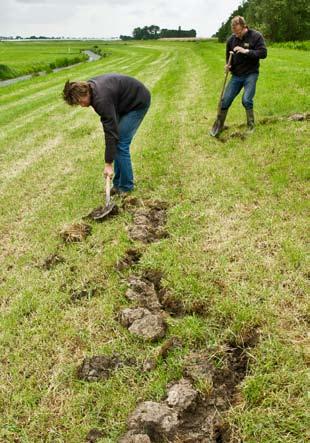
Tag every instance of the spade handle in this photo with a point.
(107, 190)
(223, 89)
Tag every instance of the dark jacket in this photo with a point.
(112, 96)
(243, 64)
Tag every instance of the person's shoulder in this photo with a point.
(230, 38)
(255, 33)
(107, 76)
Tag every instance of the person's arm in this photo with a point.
(104, 106)
(259, 50)
(109, 124)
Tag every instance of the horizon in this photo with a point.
(95, 18)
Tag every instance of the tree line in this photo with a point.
(154, 32)
(277, 20)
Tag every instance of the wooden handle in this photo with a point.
(231, 53)
(225, 80)
(107, 189)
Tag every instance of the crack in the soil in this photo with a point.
(189, 416)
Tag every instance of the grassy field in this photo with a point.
(237, 245)
(26, 57)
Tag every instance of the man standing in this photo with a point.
(121, 102)
(248, 47)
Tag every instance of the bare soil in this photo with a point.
(200, 415)
(149, 221)
(131, 258)
(100, 367)
(97, 212)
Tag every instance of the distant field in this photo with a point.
(19, 58)
(234, 265)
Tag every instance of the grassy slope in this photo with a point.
(28, 57)
(237, 224)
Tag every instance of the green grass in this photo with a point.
(28, 57)
(238, 243)
(301, 45)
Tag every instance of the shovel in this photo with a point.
(103, 212)
(215, 128)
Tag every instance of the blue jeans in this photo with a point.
(234, 87)
(127, 127)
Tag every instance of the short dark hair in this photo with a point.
(74, 90)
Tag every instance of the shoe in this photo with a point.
(114, 191)
(124, 193)
(250, 119)
(218, 126)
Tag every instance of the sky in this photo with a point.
(110, 18)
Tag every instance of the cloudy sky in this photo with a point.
(110, 18)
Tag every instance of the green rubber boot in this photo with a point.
(218, 126)
(250, 120)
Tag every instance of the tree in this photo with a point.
(225, 30)
(281, 20)
(278, 20)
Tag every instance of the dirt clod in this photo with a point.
(154, 276)
(135, 438)
(149, 221)
(182, 395)
(198, 417)
(150, 327)
(299, 117)
(97, 212)
(94, 435)
(99, 367)
(157, 420)
(75, 232)
(132, 257)
(52, 260)
(172, 305)
(143, 292)
(143, 323)
(129, 315)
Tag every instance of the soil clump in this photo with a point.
(191, 416)
(298, 117)
(143, 323)
(100, 367)
(131, 258)
(149, 221)
(143, 292)
(76, 232)
(97, 212)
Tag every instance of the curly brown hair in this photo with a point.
(74, 90)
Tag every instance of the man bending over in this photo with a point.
(121, 102)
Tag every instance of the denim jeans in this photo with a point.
(234, 87)
(127, 127)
